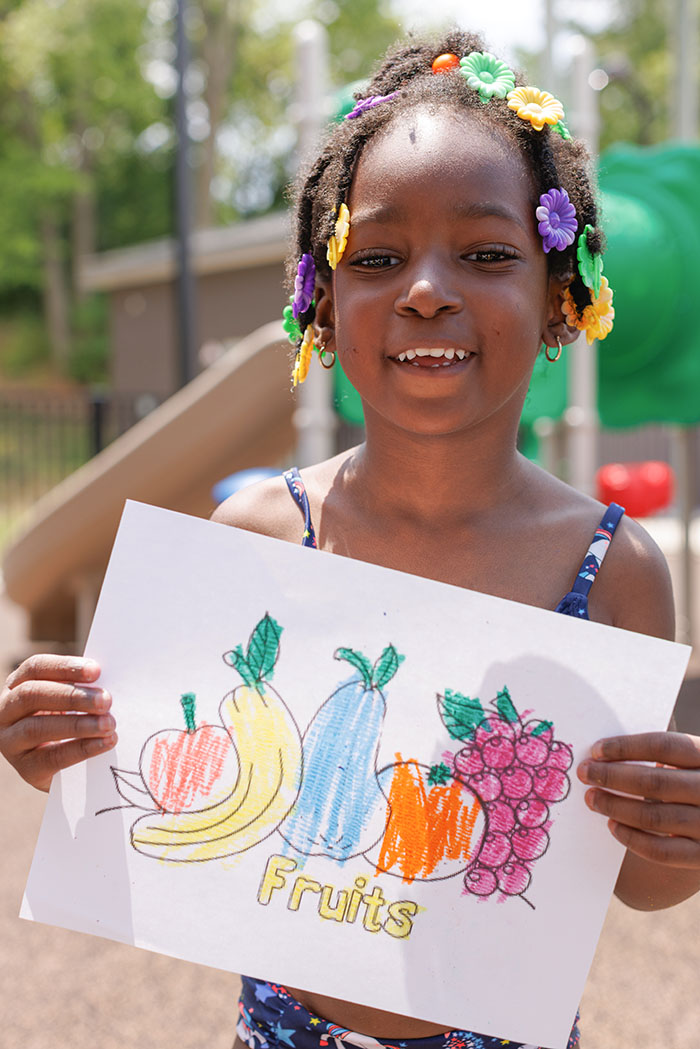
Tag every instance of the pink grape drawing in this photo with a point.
(518, 770)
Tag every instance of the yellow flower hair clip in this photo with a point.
(302, 359)
(597, 319)
(539, 107)
(336, 244)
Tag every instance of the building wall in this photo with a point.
(143, 323)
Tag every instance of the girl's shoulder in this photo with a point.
(268, 508)
(633, 588)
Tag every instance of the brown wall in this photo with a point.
(143, 323)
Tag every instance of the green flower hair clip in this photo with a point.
(562, 129)
(590, 266)
(487, 75)
(291, 325)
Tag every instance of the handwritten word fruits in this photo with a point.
(341, 811)
(436, 824)
(189, 771)
(517, 770)
(268, 746)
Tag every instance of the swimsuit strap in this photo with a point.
(576, 601)
(298, 493)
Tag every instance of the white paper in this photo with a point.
(180, 593)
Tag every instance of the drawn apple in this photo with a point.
(189, 770)
(436, 824)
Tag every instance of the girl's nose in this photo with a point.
(427, 295)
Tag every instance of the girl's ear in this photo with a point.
(556, 326)
(324, 321)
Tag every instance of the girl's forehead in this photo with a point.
(427, 148)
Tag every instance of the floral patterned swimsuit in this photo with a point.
(269, 1016)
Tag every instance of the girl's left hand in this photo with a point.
(661, 819)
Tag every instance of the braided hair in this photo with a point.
(407, 71)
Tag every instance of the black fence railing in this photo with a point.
(44, 436)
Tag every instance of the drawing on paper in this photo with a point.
(341, 810)
(232, 814)
(483, 812)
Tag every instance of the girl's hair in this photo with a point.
(407, 70)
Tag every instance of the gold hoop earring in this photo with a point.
(322, 353)
(553, 360)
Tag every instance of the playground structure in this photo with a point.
(239, 413)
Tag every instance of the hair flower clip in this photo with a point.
(304, 284)
(562, 130)
(487, 75)
(597, 319)
(590, 266)
(368, 103)
(291, 324)
(302, 360)
(336, 244)
(557, 220)
(539, 107)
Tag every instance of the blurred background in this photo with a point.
(146, 151)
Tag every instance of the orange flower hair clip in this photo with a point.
(597, 319)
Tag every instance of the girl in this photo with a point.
(447, 230)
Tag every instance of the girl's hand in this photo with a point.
(53, 715)
(661, 820)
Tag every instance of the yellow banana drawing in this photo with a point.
(268, 744)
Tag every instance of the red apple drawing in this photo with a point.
(189, 770)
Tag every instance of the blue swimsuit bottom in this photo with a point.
(269, 1016)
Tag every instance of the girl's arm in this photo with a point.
(659, 819)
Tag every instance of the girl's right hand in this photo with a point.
(53, 715)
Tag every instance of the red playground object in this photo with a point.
(642, 488)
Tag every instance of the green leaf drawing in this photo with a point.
(386, 666)
(263, 648)
(439, 775)
(544, 726)
(460, 714)
(238, 661)
(357, 660)
(504, 706)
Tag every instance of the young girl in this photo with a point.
(446, 232)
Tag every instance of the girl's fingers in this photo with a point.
(674, 852)
(683, 820)
(668, 748)
(31, 696)
(39, 766)
(677, 785)
(34, 732)
(45, 667)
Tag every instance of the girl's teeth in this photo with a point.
(449, 354)
(437, 353)
(410, 354)
(460, 355)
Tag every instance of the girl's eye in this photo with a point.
(375, 262)
(496, 253)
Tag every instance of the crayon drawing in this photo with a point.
(266, 745)
(482, 812)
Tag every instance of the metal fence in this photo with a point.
(44, 436)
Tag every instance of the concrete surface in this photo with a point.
(62, 990)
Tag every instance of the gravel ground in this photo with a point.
(62, 990)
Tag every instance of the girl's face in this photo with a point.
(443, 255)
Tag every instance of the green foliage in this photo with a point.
(24, 347)
(89, 354)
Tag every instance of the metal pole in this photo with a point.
(314, 418)
(185, 288)
(581, 416)
(685, 109)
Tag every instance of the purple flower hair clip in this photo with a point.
(303, 285)
(557, 220)
(369, 103)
